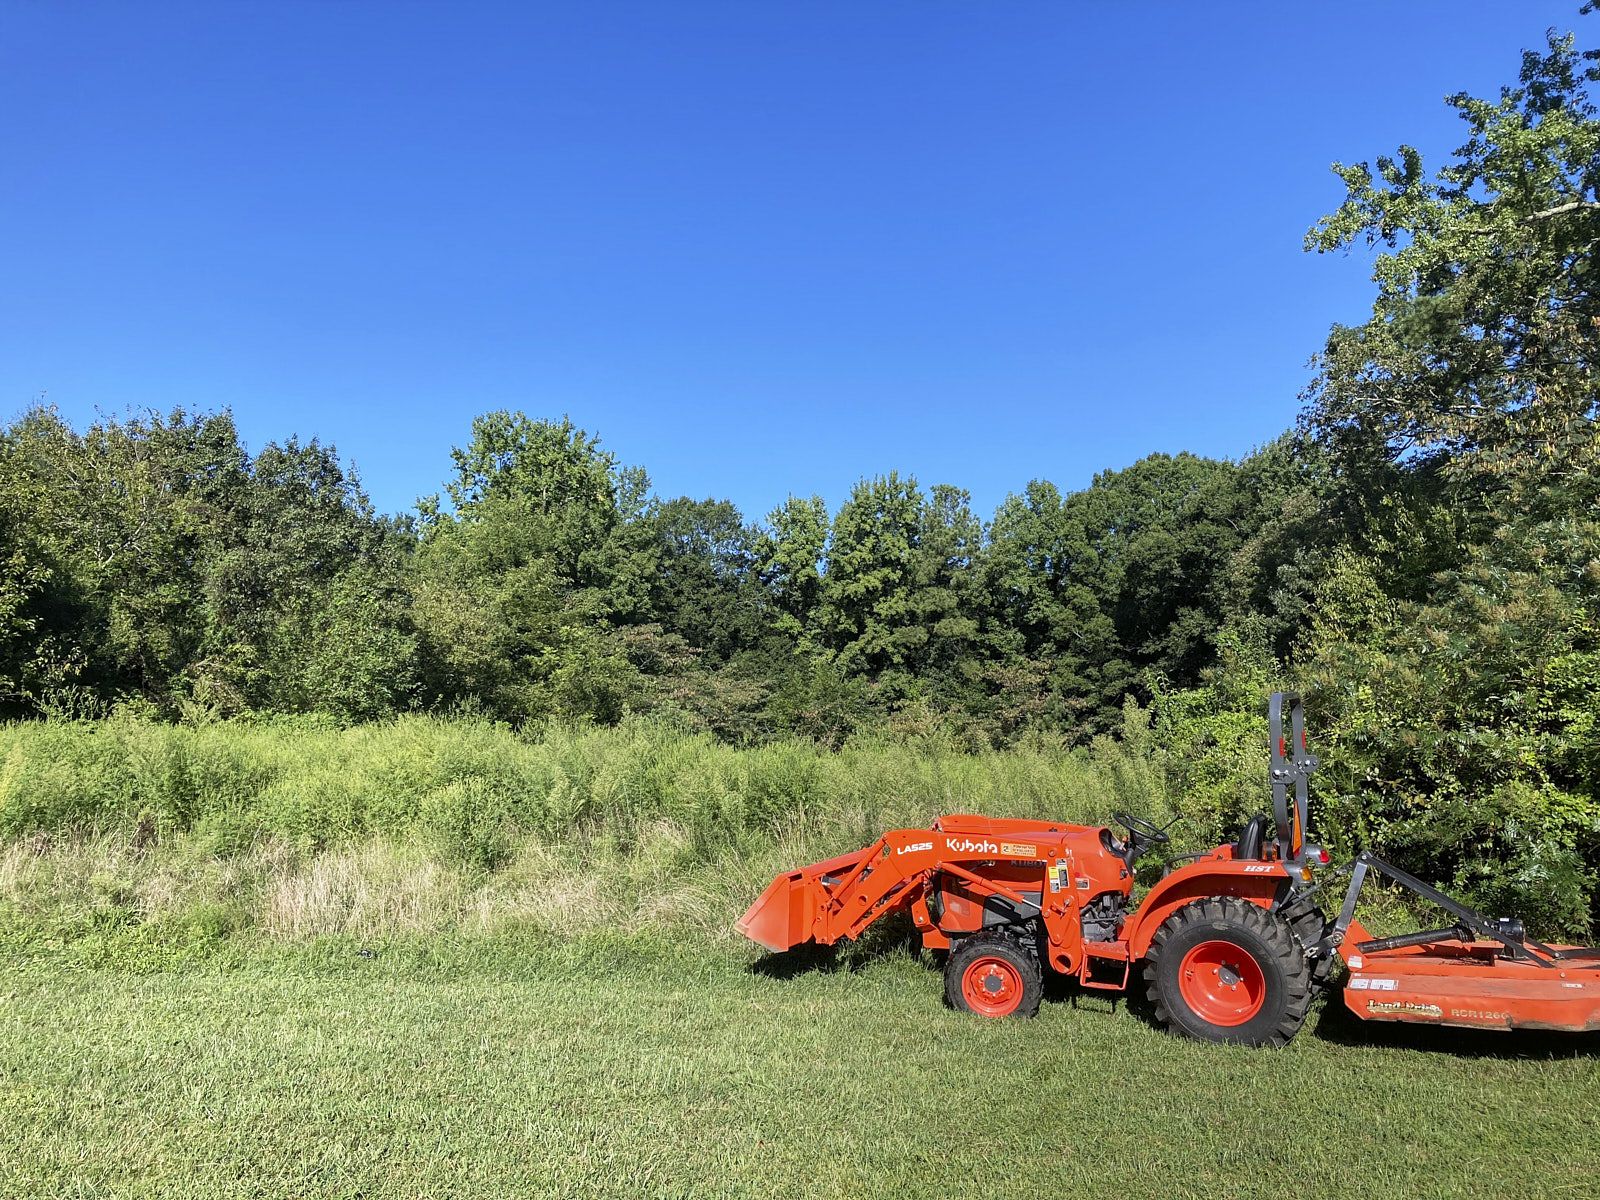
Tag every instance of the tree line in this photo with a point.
(1421, 552)
(156, 565)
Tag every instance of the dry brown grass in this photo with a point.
(385, 887)
(373, 890)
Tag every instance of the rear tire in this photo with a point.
(993, 975)
(1227, 970)
(1306, 921)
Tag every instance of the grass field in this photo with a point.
(592, 1068)
(387, 962)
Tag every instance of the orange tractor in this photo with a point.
(1231, 945)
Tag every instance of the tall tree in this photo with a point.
(29, 668)
(1479, 357)
(705, 586)
(1162, 532)
(1466, 696)
(867, 611)
(792, 550)
(166, 566)
(947, 594)
(1059, 657)
(519, 579)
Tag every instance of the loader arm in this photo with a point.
(841, 897)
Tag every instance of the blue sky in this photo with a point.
(759, 248)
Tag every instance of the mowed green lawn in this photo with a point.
(699, 1078)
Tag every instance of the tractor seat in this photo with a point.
(1252, 837)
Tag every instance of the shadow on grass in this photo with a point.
(1064, 990)
(809, 959)
(892, 937)
(1329, 1021)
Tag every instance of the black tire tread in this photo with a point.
(1218, 914)
(998, 942)
(1306, 921)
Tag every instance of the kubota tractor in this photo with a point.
(1230, 945)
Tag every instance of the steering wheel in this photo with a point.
(1152, 833)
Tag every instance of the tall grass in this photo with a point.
(472, 786)
(426, 825)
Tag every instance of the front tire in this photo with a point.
(1227, 970)
(993, 975)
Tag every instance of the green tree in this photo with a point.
(1279, 503)
(1457, 642)
(706, 586)
(898, 603)
(947, 598)
(791, 552)
(305, 594)
(25, 575)
(1058, 654)
(159, 564)
(867, 612)
(1478, 361)
(519, 580)
(122, 520)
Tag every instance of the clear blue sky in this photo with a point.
(760, 248)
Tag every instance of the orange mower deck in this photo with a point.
(1476, 974)
(1472, 986)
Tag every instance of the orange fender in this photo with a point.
(1257, 882)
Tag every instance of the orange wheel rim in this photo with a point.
(1222, 983)
(992, 986)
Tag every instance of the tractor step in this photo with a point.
(1111, 960)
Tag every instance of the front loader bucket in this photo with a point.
(785, 915)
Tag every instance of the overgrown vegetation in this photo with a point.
(1421, 555)
(128, 840)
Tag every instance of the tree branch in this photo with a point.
(1560, 210)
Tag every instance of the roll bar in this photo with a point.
(1290, 769)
